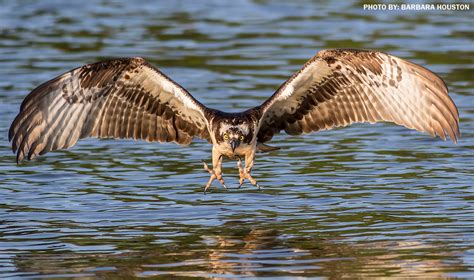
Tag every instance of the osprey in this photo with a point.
(129, 98)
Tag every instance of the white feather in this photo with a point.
(287, 92)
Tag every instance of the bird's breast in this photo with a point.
(226, 150)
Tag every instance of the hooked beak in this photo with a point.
(234, 143)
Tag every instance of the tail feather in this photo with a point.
(265, 148)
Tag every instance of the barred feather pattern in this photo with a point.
(120, 98)
(340, 87)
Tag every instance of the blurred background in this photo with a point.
(363, 201)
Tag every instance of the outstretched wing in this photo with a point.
(120, 98)
(340, 87)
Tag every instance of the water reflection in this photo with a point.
(242, 251)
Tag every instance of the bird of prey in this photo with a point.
(129, 98)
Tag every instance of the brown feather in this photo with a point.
(121, 98)
(340, 87)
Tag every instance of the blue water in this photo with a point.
(363, 201)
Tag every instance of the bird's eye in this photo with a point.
(226, 137)
(242, 138)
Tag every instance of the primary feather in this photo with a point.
(340, 87)
(120, 98)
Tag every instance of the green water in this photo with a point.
(363, 201)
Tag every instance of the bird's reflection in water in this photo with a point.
(250, 252)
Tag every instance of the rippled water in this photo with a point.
(368, 200)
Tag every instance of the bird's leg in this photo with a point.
(245, 172)
(216, 172)
(241, 172)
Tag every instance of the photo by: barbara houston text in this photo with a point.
(417, 7)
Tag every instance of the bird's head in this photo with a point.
(234, 135)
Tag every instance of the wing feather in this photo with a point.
(119, 98)
(340, 87)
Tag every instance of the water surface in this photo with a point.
(364, 201)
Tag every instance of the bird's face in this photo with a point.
(234, 136)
